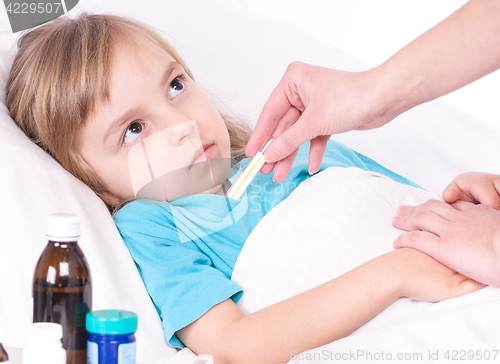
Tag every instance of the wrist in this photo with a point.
(391, 273)
(393, 92)
(397, 269)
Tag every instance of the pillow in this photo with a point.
(34, 186)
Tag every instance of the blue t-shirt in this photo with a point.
(186, 250)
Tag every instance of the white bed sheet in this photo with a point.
(239, 51)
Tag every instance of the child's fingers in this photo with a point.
(469, 285)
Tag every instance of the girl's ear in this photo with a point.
(110, 199)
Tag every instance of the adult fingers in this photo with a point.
(316, 152)
(405, 210)
(291, 116)
(291, 139)
(486, 192)
(288, 119)
(453, 193)
(274, 110)
(268, 167)
(462, 205)
(438, 207)
(483, 190)
(283, 167)
(424, 241)
(426, 221)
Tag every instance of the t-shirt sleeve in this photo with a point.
(180, 278)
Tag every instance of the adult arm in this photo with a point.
(312, 103)
(459, 50)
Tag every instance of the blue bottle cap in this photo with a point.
(111, 322)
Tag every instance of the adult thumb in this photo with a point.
(289, 140)
(452, 193)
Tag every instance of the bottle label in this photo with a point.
(126, 353)
(92, 353)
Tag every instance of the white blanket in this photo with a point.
(334, 222)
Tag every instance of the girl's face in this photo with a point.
(149, 93)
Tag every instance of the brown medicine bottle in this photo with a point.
(62, 289)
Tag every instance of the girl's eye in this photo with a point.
(176, 87)
(133, 131)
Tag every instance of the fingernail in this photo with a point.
(312, 172)
(271, 156)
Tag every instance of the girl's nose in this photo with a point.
(180, 131)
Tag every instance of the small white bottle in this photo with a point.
(4, 358)
(44, 344)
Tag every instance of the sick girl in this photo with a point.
(87, 90)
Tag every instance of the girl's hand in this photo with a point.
(425, 279)
(475, 187)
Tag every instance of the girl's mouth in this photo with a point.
(203, 155)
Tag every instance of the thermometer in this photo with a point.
(248, 174)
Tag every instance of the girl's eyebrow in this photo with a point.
(170, 68)
(117, 124)
(119, 121)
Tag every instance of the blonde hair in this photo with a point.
(61, 72)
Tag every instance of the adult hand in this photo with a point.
(440, 61)
(475, 187)
(463, 236)
(312, 103)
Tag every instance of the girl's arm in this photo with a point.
(322, 314)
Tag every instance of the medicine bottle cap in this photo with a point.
(62, 227)
(2, 330)
(44, 344)
(111, 322)
(44, 332)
